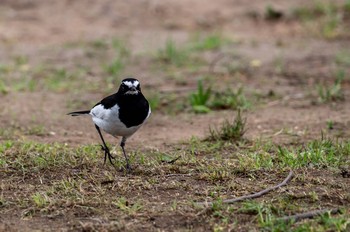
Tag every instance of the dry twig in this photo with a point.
(254, 195)
(311, 214)
(215, 61)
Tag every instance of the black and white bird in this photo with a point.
(120, 114)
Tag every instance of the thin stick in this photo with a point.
(311, 214)
(178, 174)
(254, 195)
(216, 60)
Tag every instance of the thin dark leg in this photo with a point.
(104, 147)
(122, 144)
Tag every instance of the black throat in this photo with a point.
(133, 109)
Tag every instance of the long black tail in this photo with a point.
(77, 113)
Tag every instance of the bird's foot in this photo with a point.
(128, 168)
(107, 154)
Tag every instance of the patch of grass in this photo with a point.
(38, 156)
(44, 180)
(41, 200)
(326, 17)
(272, 14)
(199, 99)
(232, 131)
(121, 48)
(129, 208)
(209, 42)
(172, 54)
(154, 101)
(343, 58)
(117, 66)
(318, 153)
(38, 130)
(333, 92)
(58, 79)
(330, 124)
(99, 44)
(3, 88)
(279, 65)
(21, 60)
(334, 223)
(230, 99)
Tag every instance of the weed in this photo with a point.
(171, 54)
(38, 130)
(333, 92)
(41, 200)
(318, 153)
(99, 44)
(280, 65)
(59, 79)
(230, 99)
(232, 131)
(116, 67)
(121, 48)
(343, 58)
(330, 124)
(123, 204)
(256, 160)
(21, 60)
(3, 88)
(326, 17)
(272, 14)
(334, 223)
(154, 101)
(210, 42)
(199, 99)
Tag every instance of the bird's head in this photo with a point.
(130, 86)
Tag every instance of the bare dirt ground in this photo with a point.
(281, 63)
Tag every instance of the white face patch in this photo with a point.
(131, 84)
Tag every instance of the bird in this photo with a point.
(120, 115)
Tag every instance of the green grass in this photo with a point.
(272, 14)
(232, 131)
(230, 99)
(41, 200)
(129, 208)
(116, 67)
(203, 100)
(3, 88)
(326, 17)
(172, 54)
(333, 92)
(324, 153)
(73, 179)
(209, 42)
(199, 99)
(343, 58)
(154, 101)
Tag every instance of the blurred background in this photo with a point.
(285, 64)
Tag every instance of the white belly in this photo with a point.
(108, 120)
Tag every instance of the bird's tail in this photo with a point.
(77, 113)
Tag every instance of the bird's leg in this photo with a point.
(104, 147)
(122, 144)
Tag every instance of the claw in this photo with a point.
(128, 168)
(107, 154)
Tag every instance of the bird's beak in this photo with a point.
(132, 91)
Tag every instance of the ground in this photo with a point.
(282, 66)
